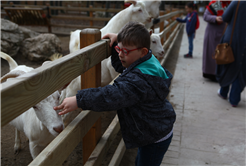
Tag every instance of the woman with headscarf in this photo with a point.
(212, 37)
(234, 73)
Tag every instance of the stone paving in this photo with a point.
(208, 131)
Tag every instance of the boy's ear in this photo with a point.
(145, 51)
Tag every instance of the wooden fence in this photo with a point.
(18, 96)
(91, 18)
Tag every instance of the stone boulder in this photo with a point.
(12, 36)
(41, 47)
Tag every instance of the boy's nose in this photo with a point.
(121, 54)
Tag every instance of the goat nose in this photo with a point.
(58, 129)
(162, 52)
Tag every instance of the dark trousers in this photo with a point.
(235, 93)
(191, 38)
(152, 155)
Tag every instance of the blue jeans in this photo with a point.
(152, 155)
(235, 93)
(191, 38)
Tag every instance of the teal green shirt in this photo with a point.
(152, 67)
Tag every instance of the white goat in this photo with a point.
(152, 8)
(136, 12)
(41, 123)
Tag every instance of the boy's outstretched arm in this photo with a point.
(69, 104)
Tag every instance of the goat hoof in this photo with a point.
(17, 149)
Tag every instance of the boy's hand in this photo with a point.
(174, 18)
(69, 104)
(112, 37)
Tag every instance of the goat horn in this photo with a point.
(11, 75)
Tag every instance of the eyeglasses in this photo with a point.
(124, 51)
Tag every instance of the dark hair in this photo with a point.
(134, 34)
(191, 5)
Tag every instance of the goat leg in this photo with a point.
(17, 146)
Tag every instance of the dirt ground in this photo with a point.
(8, 158)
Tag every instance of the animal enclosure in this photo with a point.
(85, 62)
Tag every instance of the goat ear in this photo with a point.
(41, 125)
(135, 9)
(160, 34)
(150, 32)
(133, 2)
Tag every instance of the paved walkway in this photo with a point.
(208, 131)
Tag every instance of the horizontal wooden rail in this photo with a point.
(163, 61)
(66, 8)
(21, 93)
(79, 18)
(104, 144)
(75, 26)
(168, 29)
(169, 40)
(118, 155)
(167, 16)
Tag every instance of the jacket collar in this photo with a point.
(137, 62)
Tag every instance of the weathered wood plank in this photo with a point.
(169, 40)
(118, 155)
(168, 29)
(103, 145)
(23, 92)
(60, 148)
(163, 61)
(67, 17)
(75, 26)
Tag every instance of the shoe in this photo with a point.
(221, 95)
(188, 56)
(232, 104)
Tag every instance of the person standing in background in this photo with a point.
(212, 36)
(234, 73)
(192, 24)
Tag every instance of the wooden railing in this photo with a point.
(21, 93)
(169, 33)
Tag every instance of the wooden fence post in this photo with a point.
(91, 79)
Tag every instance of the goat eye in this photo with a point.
(153, 41)
(34, 106)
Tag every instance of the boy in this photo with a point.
(138, 94)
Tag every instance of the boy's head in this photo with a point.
(133, 36)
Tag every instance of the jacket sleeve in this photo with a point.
(113, 97)
(182, 20)
(116, 63)
(191, 28)
(227, 16)
(208, 17)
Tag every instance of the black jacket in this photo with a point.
(144, 113)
